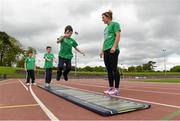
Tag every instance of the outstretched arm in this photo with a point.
(79, 51)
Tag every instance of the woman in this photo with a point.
(110, 51)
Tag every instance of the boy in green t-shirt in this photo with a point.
(65, 53)
(30, 67)
(48, 65)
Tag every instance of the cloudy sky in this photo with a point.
(148, 27)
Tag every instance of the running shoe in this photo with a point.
(108, 91)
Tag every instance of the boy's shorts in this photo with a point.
(63, 61)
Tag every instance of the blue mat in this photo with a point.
(101, 104)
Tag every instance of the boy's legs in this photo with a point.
(60, 68)
(50, 75)
(28, 76)
(32, 76)
(46, 75)
(67, 69)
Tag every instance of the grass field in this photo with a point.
(20, 73)
(7, 70)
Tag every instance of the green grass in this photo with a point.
(89, 73)
(167, 80)
(130, 73)
(7, 70)
(20, 72)
(150, 73)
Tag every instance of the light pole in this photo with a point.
(164, 54)
(122, 71)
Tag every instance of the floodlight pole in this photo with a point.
(122, 71)
(164, 54)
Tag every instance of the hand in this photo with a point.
(55, 60)
(101, 54)
(113, 50)
(83, 54)
(61, 37)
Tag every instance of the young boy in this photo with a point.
(49, 57)
(65, 53)
(30, 67)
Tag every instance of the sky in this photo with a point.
(148, 27)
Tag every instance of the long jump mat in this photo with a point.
(98, 103)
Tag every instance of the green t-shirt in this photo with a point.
(110, 34)
(48, 64)
(66, 48)
(30, 63)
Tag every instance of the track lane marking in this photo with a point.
(136, 86)
(51, 116)
(2, 84)
(17, 106)
(158, 92)
(24, 85)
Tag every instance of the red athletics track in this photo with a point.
(18, 103)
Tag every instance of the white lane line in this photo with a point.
(24, 85)
(158, 92)
(51, 116)
(6, 80)
(138, 100)
(136, 86)
(150, 102)
(2, 84)
(149, 87)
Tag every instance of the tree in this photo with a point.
(149, 66)
(99, 69)
(175, 69)
(10, 50)
(88, 68)
(131, 69)
(92, 69)
(139, 69)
